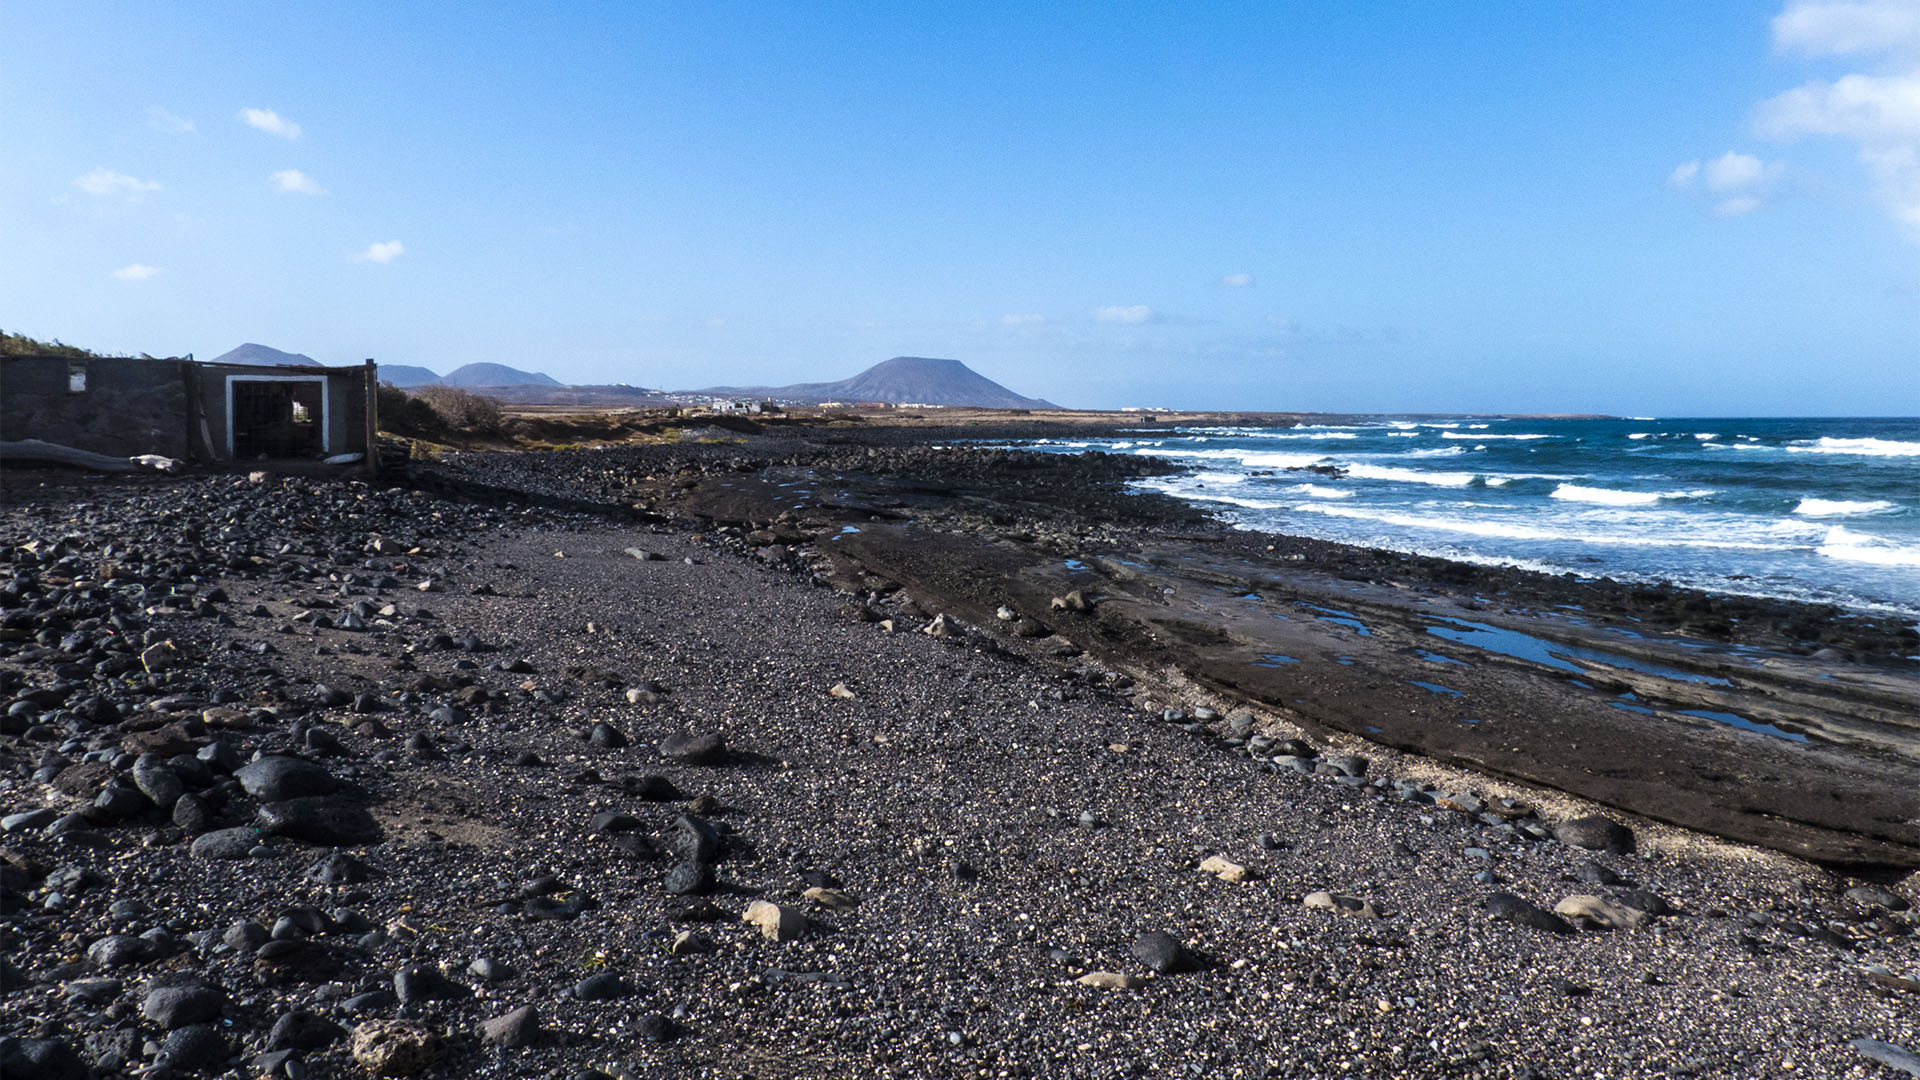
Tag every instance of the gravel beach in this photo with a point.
(549, 767)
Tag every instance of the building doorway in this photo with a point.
(276, 416)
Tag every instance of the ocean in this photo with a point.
(1809, 509)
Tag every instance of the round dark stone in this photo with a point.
(688, 879)
(1162, 953)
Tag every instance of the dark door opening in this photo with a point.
(276, 419)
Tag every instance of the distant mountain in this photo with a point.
(261, 356)
(903, 380)
(476, 375)
(407, 375)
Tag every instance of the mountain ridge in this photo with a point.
(901, 380)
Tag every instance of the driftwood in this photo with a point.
(37, 450)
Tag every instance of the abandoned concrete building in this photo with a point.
(219, 414)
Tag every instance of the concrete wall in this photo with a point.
(130, 406)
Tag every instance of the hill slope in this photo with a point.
(474, 375)
(407, 375)
(262, 356)
(903, 380)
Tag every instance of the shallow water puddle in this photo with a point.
(1559, 657)
(1435, 688)
(1744, 724)
(1438, 658)
(1273, 660)
(1075, 566)
(1340, 618)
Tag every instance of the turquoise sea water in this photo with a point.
(1816, 509)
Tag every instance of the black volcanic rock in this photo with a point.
(903, 380)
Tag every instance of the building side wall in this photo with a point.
(130, 406)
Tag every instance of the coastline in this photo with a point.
(1008, 806)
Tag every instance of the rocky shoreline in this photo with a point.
(583, 764)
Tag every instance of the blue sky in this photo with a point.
(1622, 207)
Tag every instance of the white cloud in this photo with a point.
(381, 253)
(295, 182)
(135, 272)
(1837, 29)
(163, 121)
(1734, 172)
(270, 122)
(1237, 281)
(1123, 313)
(1022, 319)
(1864, 108)
(107, 183)
(1877, 112)
(1739, 183)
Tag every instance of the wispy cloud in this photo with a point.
(168, 123)
(1022, 319)
(1738, 183)
(109, 184)
(270, 122)
(1124, 313)
(381, 253)
(135, 272)
(1878, 110)
(1237, 281)
(295, 182)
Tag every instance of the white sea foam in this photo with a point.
(1319, 491)
(1512, 531)
(1610, 497)
(1437, 451)
(1461, 435)
(1706, 436)
(1843, 543)
(1640, 435)
(1404, 434)
(1410, 476)
(1840, 507)
(1219, 477)
(1862, 447)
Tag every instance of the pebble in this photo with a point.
(177, 1006)
(1224, 869)
(518, 1028)
(1597, 833)
(703, 748)
(688, 878)
(776, 922)
(1510, 908)
(302, 1030)
(275, 777)
(396, 1047)
(197, 1048)
(42, 1059)
(1603, 912)
(1162, 953)
(602, 987)
(1341, 905)
(417, 982)
(1110, 980)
